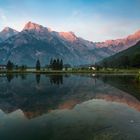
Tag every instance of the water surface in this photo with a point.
(69, 107)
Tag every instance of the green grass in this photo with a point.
(106, 71)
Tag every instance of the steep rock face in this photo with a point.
(32, 26)
(38, 42)
(70, 36)
(126, 58)
(30, 45)
(6, 33)
(120, 44)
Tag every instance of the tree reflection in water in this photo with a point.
(56, 79)
(38, 77)
(9, 76)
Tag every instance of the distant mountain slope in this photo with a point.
(120, 44)
(38, 42)
(6, 33)
(127, 58)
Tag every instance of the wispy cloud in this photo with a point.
(90, 19)
(3, 18)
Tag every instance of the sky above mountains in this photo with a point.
(95, 20)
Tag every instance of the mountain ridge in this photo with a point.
(65, 45)
(6, 33)
(124, 59)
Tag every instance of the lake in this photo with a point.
(69, 107)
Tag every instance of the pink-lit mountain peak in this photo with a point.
(32, 26)
(8, 29)
(68, 36)
(7, 32)
(134, 36)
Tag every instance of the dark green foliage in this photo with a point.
(97, 67)
(38, 66)
(10, 65)
(23, 67)
(61, 64)
(56, 64)
(38, 76)
(125, 59)
(56, 79)
(9, 76)
(136, 60)
(16, 67)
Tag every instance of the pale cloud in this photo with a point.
(3, 18)
(93, 27)
(98, 27)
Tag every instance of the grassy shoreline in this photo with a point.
(118, 71)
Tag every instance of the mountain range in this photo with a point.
(38, 42)
(7, 33)
(127, 58)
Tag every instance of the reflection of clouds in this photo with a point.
(91, 119)
(68, 104)
(39, 87)
(127, 99)
(43, 97)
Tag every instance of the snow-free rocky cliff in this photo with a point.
(38, 42)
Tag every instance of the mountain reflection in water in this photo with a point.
(69, 107)
(54, 79)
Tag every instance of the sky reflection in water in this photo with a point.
(67, 107)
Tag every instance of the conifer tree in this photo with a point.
(61, 64)
(38, 65)
(10, 65)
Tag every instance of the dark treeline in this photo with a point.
(53, 79)
(123, 61)
(56, 79)
(10, 66)
(38, 65)
(55, 64)
(129, 58)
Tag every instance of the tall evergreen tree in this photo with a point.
(61, 64)
(54, 64)
(57, 64)
(136, 60)
(38, 66)
(10, 65)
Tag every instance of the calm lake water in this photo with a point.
(69, 107)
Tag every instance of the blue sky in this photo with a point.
(95, 20)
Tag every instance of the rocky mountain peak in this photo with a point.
(70, 36)
(32, 26)
(7, 32)
(134, 36)
(8, 29)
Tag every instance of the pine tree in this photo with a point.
(38, 65)
(51, 63)
(61, 64)
(57, 64)
(10, 65)
(54, 64)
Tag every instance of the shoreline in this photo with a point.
(72, 72)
